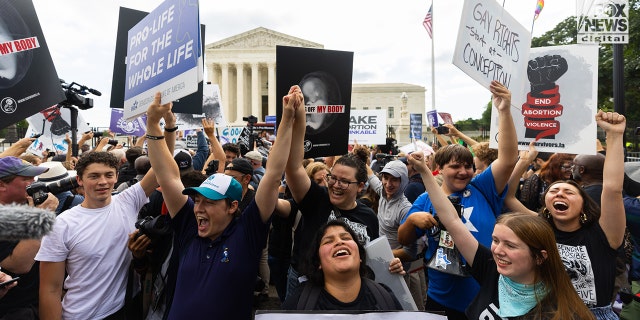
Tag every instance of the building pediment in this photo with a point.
(262, 38)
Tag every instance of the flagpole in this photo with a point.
(433, 64)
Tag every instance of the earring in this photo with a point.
(583, 218)
(546, 214)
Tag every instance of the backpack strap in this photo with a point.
(384, 299)
(308, 297)
(67, 202)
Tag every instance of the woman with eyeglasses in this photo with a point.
(557, 168)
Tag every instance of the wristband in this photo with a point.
(150, 137)
(170, 129)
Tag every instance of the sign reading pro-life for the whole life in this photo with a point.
(162, 55)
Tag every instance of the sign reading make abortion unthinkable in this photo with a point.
(163, 55)
(491, 44)
(368, 126)
(28, 78)
(556, 107)
(325, 79)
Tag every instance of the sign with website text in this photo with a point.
(556, 108)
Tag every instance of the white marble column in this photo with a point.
(224, 89)
(272, 88)
(210, 73)
(215, 74)
(240, 92)
(255, 91)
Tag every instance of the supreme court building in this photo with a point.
(244, 66)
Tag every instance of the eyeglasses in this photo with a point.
(342, 183)
(565, 168)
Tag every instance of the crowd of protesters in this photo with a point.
(156, 230)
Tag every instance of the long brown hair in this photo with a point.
(562, 300)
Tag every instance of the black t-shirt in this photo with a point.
(365, 301)
(280, 240)
(25, 294)
(316, 209)
(246, 200)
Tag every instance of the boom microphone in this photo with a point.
(95, 92)
(20, 222)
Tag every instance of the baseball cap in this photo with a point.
(217, 186)
(183, 159)
(56, 171)
(241, 165)
(15, 166)
(253, 155)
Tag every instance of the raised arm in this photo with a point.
(297, 179)
(216, 148)
(18, 148)
(507, 139)
(267, 196)
(453, 131)
(465, 242)
(612, 219)
(162, 159)
(510, 201)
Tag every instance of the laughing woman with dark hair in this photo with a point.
(588, 236)
(338, 276)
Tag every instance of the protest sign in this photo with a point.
(368, 126)
(135, 127)
(415, 125)
(446, 117)
(491, 44)
(163, 54)
(28, 79)
(325, 79)
(52, 124)
(379, 255)
(127, 19)
(557, 106)
(432, 118)
(211, 109)
(346, 315)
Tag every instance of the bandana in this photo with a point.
(517, 299)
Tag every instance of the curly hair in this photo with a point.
(353, 161)
(552, 169)
(102, 157)
(484, 153)
(363, 153)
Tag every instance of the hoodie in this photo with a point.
(394, 209)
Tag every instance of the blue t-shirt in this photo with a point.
(216, 278)
(481, 204)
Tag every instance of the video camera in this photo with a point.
(74, 94)
(153, 226)
(39, 190)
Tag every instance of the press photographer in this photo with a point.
(58, 182)
(16, 256)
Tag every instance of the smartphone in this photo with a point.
(442, 130)
(6, 283)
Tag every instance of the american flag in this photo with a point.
(427, 22)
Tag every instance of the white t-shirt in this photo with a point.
(93, 242)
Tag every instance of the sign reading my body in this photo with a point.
(325, 109)
(183, 52)
(19, 45)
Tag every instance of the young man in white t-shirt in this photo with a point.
(89, 242)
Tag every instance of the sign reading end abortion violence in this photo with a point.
(491, 44)
(163, 55)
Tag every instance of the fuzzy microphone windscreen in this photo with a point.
(20, 222)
